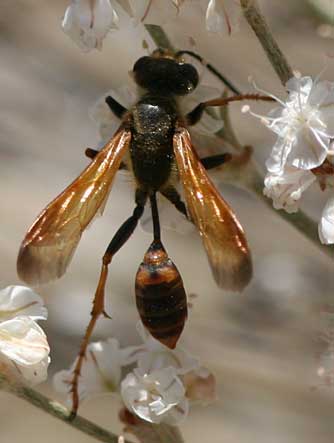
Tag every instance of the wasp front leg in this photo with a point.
(121, 236)
(116, 108)
(119, 111)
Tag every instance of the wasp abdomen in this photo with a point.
(160, 296)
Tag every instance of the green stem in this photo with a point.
(159, 37)
(57, 410)
(260, 27)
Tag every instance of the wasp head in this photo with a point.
(163, 73)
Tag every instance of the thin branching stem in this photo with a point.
(259, 25)
(57, 410)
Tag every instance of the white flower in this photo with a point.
(156, 397)
(88, 22)
(302, 153)
(160, 387)
(326, 225)
(164, 381)
(215, 18)
(100, 373)
(23, 301)
(286, 187)
(153, 356)
(304, 125)
(222, 16)
(23, 345)
(148, 11)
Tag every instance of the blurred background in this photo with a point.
(263, 345)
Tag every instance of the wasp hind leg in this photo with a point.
(174, 197)
(210, 162)
(121, 236)
(213, 161)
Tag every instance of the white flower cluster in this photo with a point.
(159, 387)
(24, 350)
(303, 152)
(87, 22)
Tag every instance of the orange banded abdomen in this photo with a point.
(160, 296)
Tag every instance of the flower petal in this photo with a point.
(299, 85)
(326, 225)
(309, 149)
(216, 17)
(153, 397)
(278, 157)
(35, 374)
(87, 22)
(179, 359)
(21, 300)
(23, 341)
(286, 188)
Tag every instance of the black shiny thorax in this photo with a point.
(153, 121)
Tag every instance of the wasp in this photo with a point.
(154, 143)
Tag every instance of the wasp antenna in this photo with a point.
(212, 69)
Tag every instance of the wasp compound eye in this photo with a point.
(187, 79)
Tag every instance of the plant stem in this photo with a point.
(299, 220)
(56, 410)
(260, 27)
(159, 37)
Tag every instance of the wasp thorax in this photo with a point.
(165, 75)
(160, 296)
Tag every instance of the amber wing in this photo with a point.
(221, 232)
(48, 246)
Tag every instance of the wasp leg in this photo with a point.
(174, 197)
(121, 236)
(195, 115)
(115, 107)
(213, 161)
(92, 153)
(211, 68)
